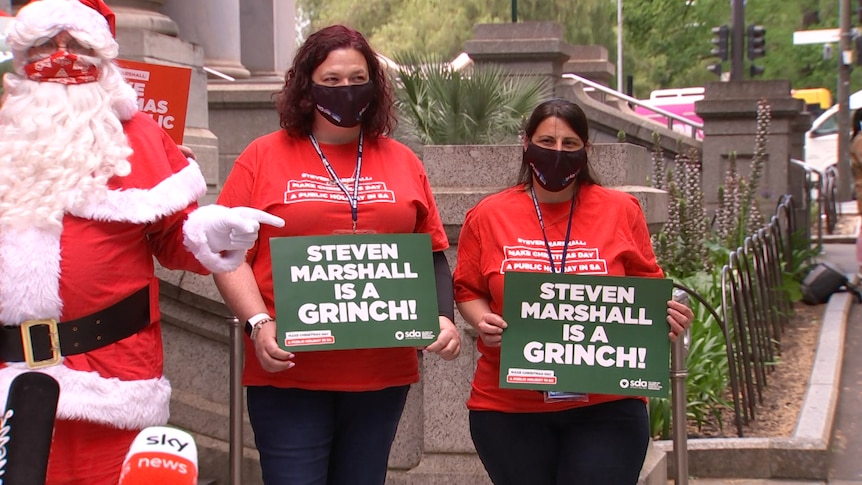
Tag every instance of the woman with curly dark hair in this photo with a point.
(329, 417)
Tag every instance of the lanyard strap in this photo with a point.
(352, 199)
(545, 236)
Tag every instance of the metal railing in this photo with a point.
(236, 405)
(692, 127)
(753, 312)
(829, 199)
(820, 188)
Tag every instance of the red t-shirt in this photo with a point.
(609, 236)
(285, 176)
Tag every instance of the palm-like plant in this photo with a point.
(480, 105)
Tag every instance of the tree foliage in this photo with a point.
(666, 42)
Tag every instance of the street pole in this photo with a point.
(737, 41)
(620, 45)
(514, 11)
(845, 60)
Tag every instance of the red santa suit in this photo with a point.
(89, 251)
(101, 256)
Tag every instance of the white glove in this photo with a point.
(237, 228)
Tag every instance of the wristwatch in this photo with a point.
(253, 324)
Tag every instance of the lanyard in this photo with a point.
(545, 236)
(353, 199)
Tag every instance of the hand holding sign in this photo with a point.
(448, 343)
(679, 318)
(489, 325)
(271, 357)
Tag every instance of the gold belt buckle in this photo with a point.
(28, 343)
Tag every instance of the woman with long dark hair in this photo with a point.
(556, 208)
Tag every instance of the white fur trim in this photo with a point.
(91, 397)
(30, 279)
(142, 206)
(195, 240)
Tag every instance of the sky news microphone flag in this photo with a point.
(161, 455)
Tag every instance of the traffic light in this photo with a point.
(756, 41)
(721, 42)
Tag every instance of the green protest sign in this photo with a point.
(591, 334)
(354, 291)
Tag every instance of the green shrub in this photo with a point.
(479, 105)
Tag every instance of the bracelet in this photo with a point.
(255, 322)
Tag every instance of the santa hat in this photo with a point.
(103, 8)
(46, 18)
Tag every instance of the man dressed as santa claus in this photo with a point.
(90, 191)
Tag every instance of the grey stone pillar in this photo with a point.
(729, 113)
(147, 35)
(268, 35)
(591, 62)
(143, 15)
(533, 48)
(215, 26)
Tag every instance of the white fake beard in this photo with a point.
(59, 145)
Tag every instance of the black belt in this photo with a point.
(41, 343)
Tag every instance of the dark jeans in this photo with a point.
(604, 444)
(324, 437)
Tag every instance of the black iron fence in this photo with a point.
(755, 310)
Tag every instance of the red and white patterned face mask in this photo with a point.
(62, 67)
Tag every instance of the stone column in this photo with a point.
(142, 14)
(729, 113)
(591, 62)
(215, 26)
(532, 48)
(268, 35)
(147, 35)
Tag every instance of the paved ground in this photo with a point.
(846, 465)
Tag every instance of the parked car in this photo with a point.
(821, 141)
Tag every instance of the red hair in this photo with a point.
(293, 102)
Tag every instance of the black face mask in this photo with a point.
(343, 105)
(555, 170)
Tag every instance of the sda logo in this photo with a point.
(409, 335)
(633, 383)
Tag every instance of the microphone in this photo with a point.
(26, 428)
(162, 455)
